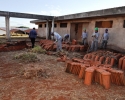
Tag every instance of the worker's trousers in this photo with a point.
(32, 41)
(84, 41)
(104, 44)
(94, 46)
(59, 45)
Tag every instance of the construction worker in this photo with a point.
(105, 39)
(32, 36)
(84, 37)
(94, 44)
(58, 41)
(66, 38)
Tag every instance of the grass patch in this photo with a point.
(2, 42)
(38, 49)
(27, 57)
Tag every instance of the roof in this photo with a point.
(37, 21)
(28, 31)
(91, 14)
(14, 30)
(25, 15)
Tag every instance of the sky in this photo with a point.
(52, 7)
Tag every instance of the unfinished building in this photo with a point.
(113, 19)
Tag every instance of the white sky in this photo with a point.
(52, 7)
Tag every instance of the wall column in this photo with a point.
(7, 20)
(53, 25)
(47, 29)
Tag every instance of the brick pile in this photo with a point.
(98, 67)
(49, 46)
(121, 64)
(105, 57)
(95, 72)
(13, 46)
(63, 58)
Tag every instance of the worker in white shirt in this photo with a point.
(105, 39)
(94, 44)
(58, 40)
(84, 37)
(66, 38)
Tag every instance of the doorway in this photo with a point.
(49, 26)
(77, 29)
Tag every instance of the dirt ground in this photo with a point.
(59, 85)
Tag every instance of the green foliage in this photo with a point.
(38, 49)
(2, 42)
(27, 57)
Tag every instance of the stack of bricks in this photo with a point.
(73, 67)
(117, 77)
(93, 71)
(77, 48)
(102, 77)
(109, 59)
(13, 46)
(121, 64)
(48, 45)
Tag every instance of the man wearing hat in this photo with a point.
(94, 44)
(105, 39)
(58, 40)
(84, 37)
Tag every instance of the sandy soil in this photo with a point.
(57, 86)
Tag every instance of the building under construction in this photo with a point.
(113, 19)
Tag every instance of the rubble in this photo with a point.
(63, 58)
(34, 72)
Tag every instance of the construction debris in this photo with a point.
(27, 57)
(63, 58)
(34, 72)
(13, 46)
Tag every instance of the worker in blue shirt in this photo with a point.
(32, 36)
(84, 37)
(105, 39)
(94, 44)
(66, 38)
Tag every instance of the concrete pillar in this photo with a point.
(7, 20)
(53, 25)
(47, 29)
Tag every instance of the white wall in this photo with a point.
(42, 31)
(117, 32)
(63, 31)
